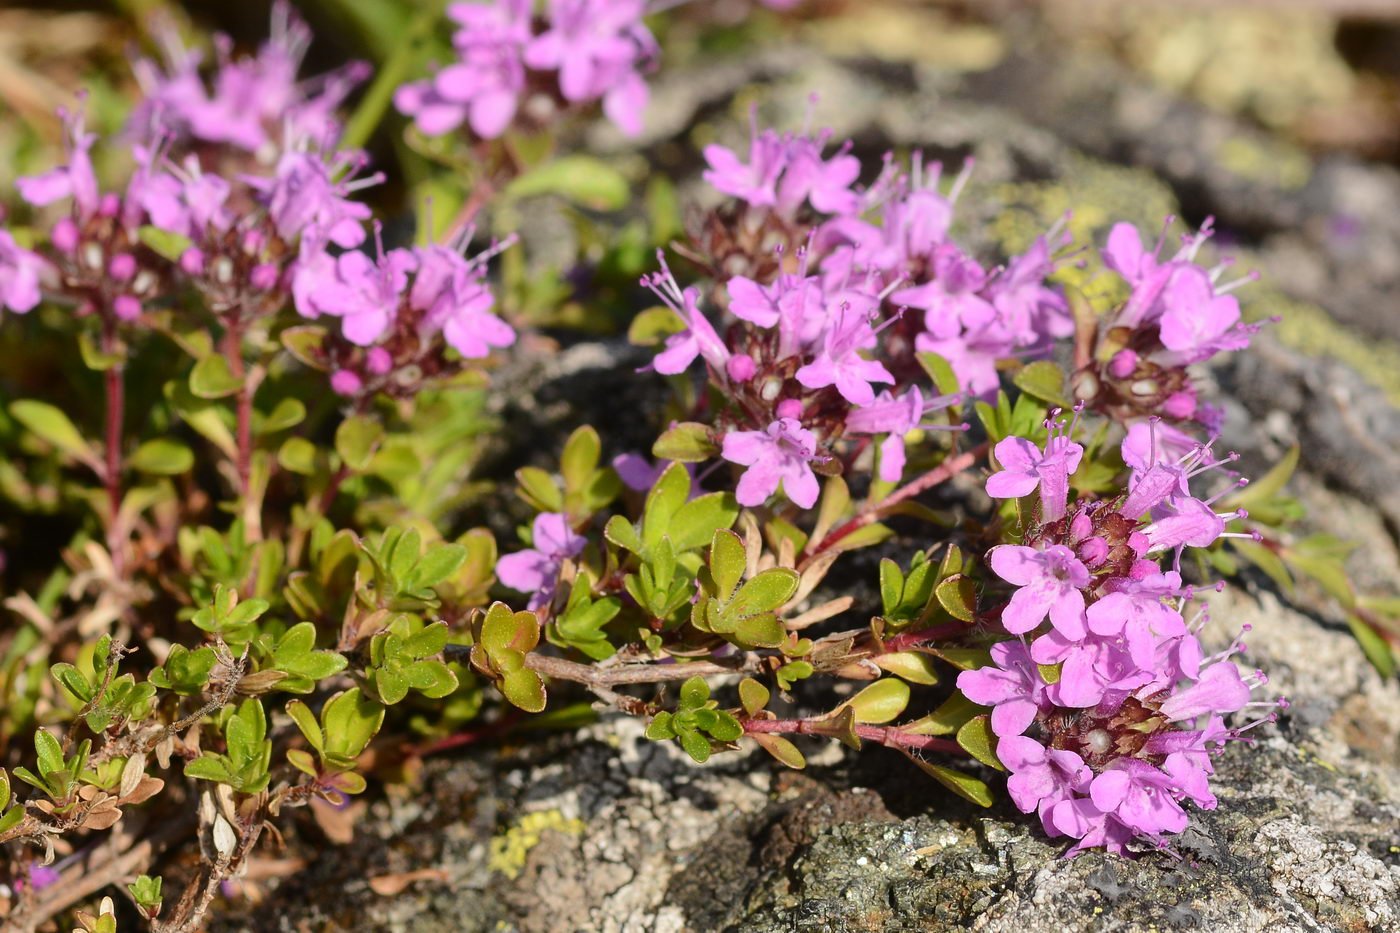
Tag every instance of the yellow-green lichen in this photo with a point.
(510, 849)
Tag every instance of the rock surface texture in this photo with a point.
(603, 830)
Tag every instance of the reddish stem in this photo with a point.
(873, 513)
(906, 640)
(888, 736)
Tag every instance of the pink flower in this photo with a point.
(308, 197)
(535, 570)
(75, 180)
(1011, 685)
(1049, 583)
(839, 362)
(598, 46)
(895, 417)
(254, 102)
(781, 454)
(1140, 796)
(1040, 777)
(1025, 467)
(699, 337)
(1220, 690)
(20, 270)
(485, 85)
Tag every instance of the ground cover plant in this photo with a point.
(249, 568)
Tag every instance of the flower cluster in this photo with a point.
(256, 105)
(509, 63)
(399, 313)
(1108, 716)
(1176, 314)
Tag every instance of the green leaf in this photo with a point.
(288, 413)
(585, 180)
(52, 425)
(880, 702)
(947, 719)
(753, 696)
(298, 455)
(11, 818)
(357, 439)
(781, 749)
(1375, 647)
(523, 688)
(306, 721)
(164, 243)
(891, 586)
(350, 720)
(94, 358)
(49, 753)
(694, 523)
(695, 693)
(659, 729)
(1044, 380)
(696, 746)
(209, 768)
(580, 457)
(765, 592)
(978, 740)
(958, 595)
(305, 342)
(163, 457)
(650, 327)
(914, 666)
(760, 631)
(688, 442)
(440, 562)
(727, 563)
(726, 728)
(964, 785)
(623, 533)
(213, 378)
(539, 490)
(940, 371)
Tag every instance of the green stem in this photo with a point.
(391, 74)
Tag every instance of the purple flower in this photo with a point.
(254, 101)
(598, 47)
(1049, 581)
(485, 85)
(75, 179)
(1025, 467)
(786, 172)
(839, 362)
(20, 271)
(1041, 777)
(639, 474)
(1011, 685)
(1196, 322)
(1220, 690)
(895, 417)
(308, 197)
(453, 293)
(781, 454)
(698, 339)
(1140, 796)
(535, 570)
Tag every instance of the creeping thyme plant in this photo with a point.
(268, 594)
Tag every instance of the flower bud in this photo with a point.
(1180, 404)
(345, 382)
(789, 408)
(121, 267)
(192, 261)
(740, 367)
(65, 236)
(1123, 364)
(378, 361)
